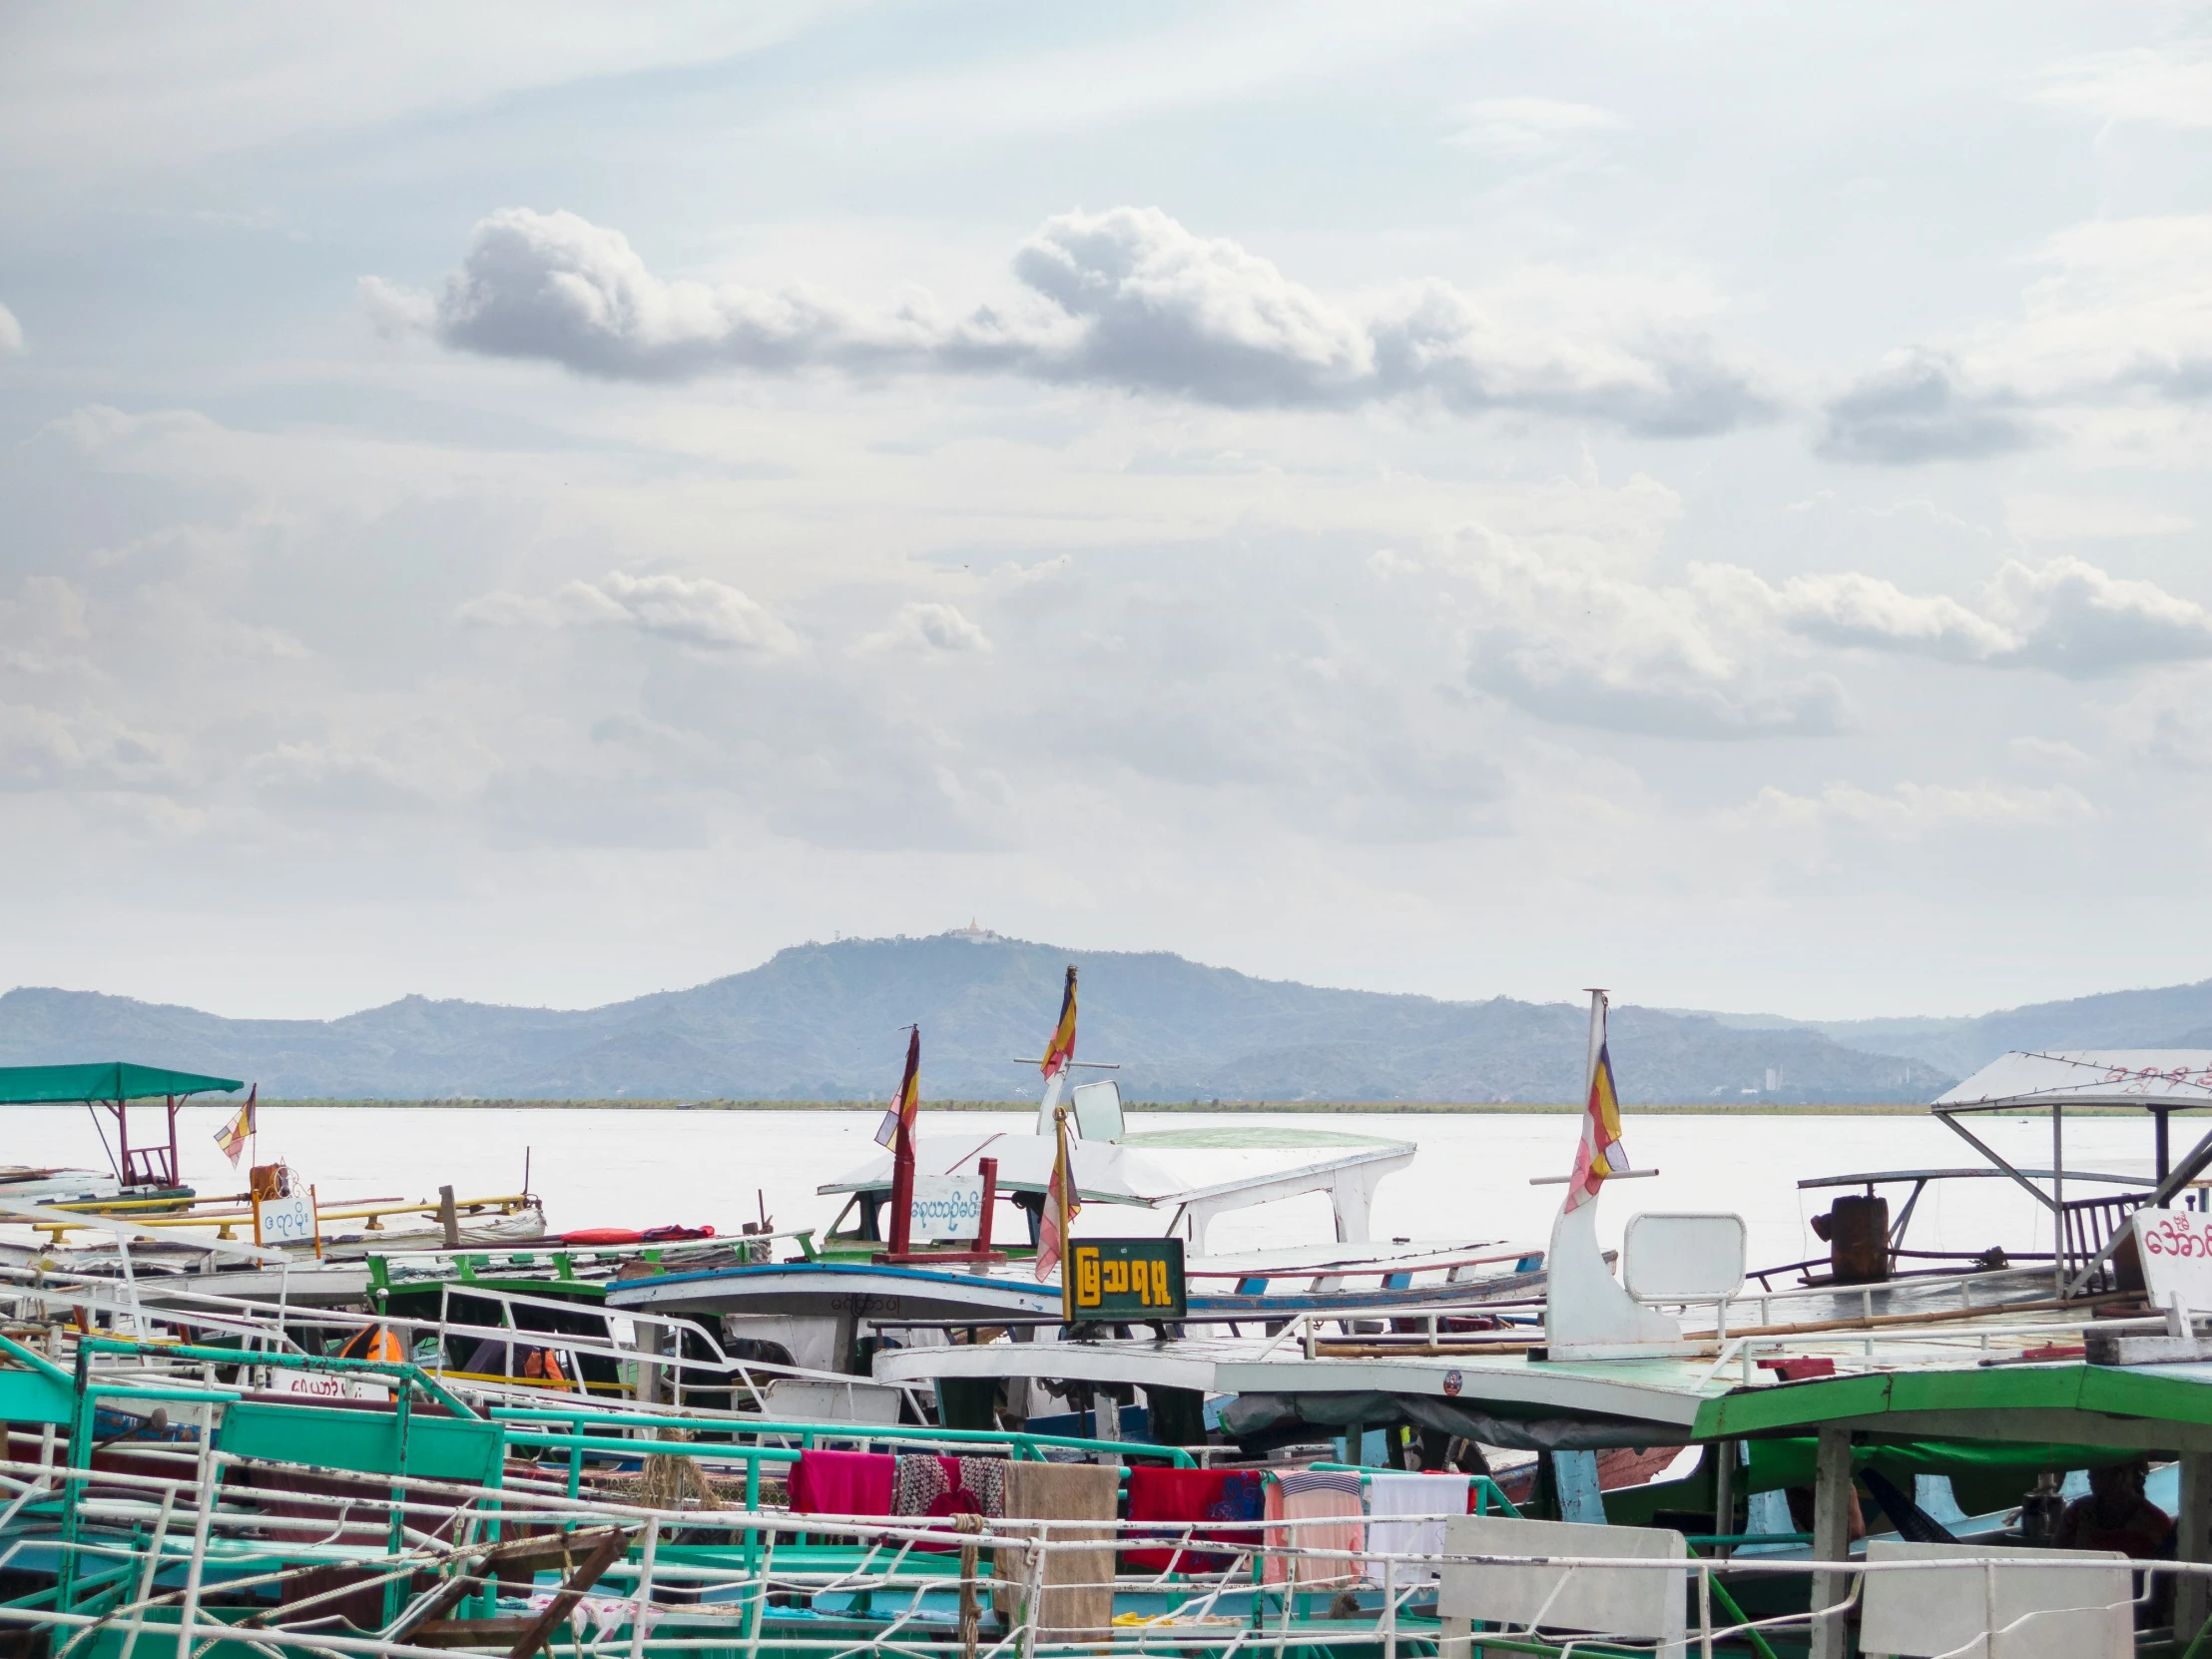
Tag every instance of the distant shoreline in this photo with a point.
(1144, 1108)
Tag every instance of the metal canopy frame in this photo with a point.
(2070, 1277)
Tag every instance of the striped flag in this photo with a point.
(1600, 1152)
(233, 1136)
(1061, 1049)
(907, 1102)
(1061, 1205)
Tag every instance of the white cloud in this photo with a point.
(2065, 616)
(1585, 648)
(1918, 407)
(693, 611)
(2121, 319)
(11, 333)
(2075, 619)
(931, 627)
(1529, 129)
(2168, 85)
(1126, 298)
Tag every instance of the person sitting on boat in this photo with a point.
(2116, 1515)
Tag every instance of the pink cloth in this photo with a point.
(842, 1483)
(1314, 1495)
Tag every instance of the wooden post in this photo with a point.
(1830, 1541)
(2194, 1542)
(449, 1220)
(987, 1168)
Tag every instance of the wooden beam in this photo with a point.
(1832, 1504)
(610, 1551)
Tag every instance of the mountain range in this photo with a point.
(825, 1022)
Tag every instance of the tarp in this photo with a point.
(110, 1080)
(2119, 1076)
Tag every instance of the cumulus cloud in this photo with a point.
(1917, 408)
(1529, 129)
(693, 611)
(1585, 648)
(11, 332)
(1127, 298)
(929, 627)
(2119, 317)
(2065, 616)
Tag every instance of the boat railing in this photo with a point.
(166, 1214)
(197, 1555)
(678, 1339)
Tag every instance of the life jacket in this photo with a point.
(543, 1365)
(373, 1342)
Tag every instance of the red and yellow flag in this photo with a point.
(1600, 1153)
(899, 1120)
(233, 1136)
(1061, 1205)
(1061, 1049)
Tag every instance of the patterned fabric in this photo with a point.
(984, 1479)
(1243, 1493)
(1297, 1482)
(920, 1482)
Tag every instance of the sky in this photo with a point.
(545, 503)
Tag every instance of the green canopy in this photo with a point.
(110, 1080)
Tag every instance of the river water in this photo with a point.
(1470, 1179)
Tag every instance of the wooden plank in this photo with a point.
(610, 1551)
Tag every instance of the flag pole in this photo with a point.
(1597, 1039)
(1067, 1180)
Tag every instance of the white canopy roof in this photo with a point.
(1161, 1168)
(2101, 1076)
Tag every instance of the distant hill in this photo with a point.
(2171, 1017)
(820, 1022)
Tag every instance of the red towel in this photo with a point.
(1183, 1495)
(842, 1483)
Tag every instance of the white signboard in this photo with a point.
(283, 1220)
(1645, 1604)
(2067, 1612)
(949, 1207)
(1683, 1258)
(2176, 1250)
(324, 1385)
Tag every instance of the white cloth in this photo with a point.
(1430, 1495)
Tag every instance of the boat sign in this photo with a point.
(324, 1385)
(949, 1207)
(1125, 1278)
(280, 1220)
(2175, 1246)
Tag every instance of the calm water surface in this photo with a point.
(640, 1167)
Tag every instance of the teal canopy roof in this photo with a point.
(110, 1080)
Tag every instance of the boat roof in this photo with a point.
(1147, 1168)
(2032, 1079)
(108, 1080)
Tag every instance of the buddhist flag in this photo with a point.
(1061, 1205)
(233, 1136)
(1600, 1153)
(899, 1120)
(1061, 1049)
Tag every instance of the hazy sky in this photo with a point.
(543, 502)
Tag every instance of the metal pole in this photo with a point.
(2059, 1194)
(201, 1519)
(644, 1599)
